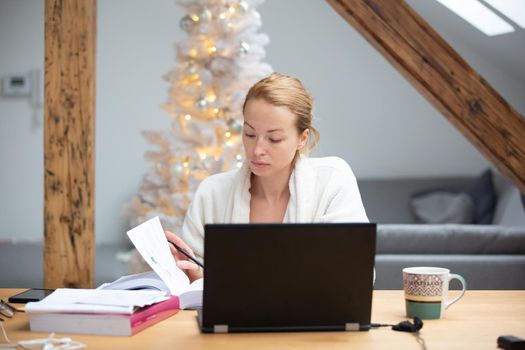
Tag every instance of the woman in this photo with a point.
(277, 182)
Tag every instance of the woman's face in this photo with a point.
(270, 137)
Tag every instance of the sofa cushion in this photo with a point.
(490, 272)
(510, 208)
(473, 204)
(442, 207)
(484, 198)
(450, 239)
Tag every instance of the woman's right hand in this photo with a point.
(192, 270)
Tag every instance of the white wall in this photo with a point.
(135, 49)
(21, 136)
(366, 112)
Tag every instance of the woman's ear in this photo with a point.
(303, 139)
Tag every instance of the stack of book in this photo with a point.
(127, 305)
(88, 311)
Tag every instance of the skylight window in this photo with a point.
(512, 9)
(479, 15)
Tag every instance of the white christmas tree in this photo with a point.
(216, 65)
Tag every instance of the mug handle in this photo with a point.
(463, 284)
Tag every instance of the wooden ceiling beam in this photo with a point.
(440, 74)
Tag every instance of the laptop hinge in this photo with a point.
(352, 326)
(220, 328)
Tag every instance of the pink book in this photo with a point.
(104, 324)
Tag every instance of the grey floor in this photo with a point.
(21, 265)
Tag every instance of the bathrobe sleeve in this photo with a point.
(341, 195)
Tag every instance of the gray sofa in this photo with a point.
(488, 256)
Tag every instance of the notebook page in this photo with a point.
(151, 243)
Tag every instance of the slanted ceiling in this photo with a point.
(439, 73)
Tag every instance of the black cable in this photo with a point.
(420, 340)
(377, 325)
(404, 326)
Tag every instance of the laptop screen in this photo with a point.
(287, 276)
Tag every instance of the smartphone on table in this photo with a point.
(32, 294)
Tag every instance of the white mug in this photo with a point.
(426, 291)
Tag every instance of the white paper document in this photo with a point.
(151, 243)
(96, 301)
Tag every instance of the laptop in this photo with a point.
(287, 277)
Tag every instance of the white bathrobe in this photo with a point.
(321, 190)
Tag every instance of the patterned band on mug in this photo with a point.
(423, 295)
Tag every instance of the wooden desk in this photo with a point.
(474, 322)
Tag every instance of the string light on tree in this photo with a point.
(220, 58)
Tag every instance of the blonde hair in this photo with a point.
(286, 91)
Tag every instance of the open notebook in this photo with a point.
(190, 298)
(151, 243)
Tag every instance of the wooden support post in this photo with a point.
(69, 139)
(444, 78)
